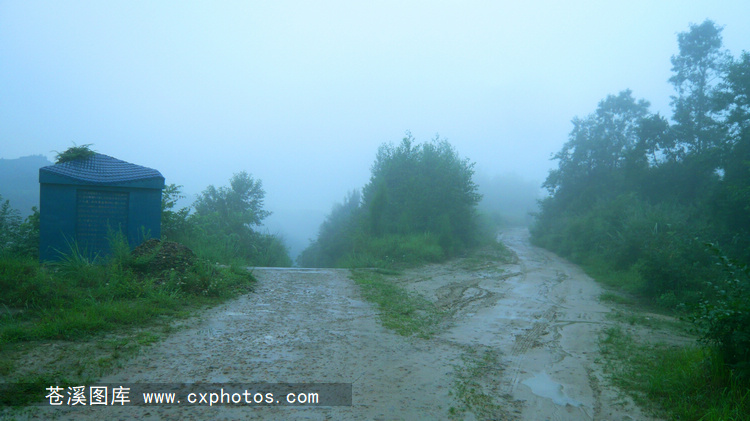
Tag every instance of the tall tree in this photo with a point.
(698, 69)
(733, 201)
(737, 93)
(608, 140)
(240, 205)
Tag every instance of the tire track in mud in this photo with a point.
(526, 341)
(455, 297)
(540, 316)
(531, 337)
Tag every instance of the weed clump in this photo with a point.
(162, 257)
(74, 153)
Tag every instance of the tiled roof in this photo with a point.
(102, 169)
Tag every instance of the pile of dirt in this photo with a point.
(156, 257)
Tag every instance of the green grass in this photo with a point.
(394, 250)
(678, 382)
(409, 313)
(67, 363)
(77, 302)
(628, 280)
(74, 153)
(474, 385)
(609, 297)
(500, 253)
(685, 382)
(411, 250)
(49, 303)
(632, 318)
(654, 321)
(404, 312)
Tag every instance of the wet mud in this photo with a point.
(539, 317)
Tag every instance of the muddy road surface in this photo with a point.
(516, 341)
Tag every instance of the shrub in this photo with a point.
(17, 237)
(419, 206)
(724, 314)
(74, 153)
(390, 250)
(220, 229)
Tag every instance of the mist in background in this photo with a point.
(301, 94)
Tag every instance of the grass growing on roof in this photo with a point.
(74, 153)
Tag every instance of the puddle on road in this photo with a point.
(543, 386)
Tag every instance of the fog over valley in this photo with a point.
(301, 94)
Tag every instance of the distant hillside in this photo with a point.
(19, 181)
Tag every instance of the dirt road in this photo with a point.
(520, 341)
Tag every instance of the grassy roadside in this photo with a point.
(72, 322)
(686, 382)
(410, 314)
(404, 312)
(676, 382)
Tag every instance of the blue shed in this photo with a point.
(82, 200)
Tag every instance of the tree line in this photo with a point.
(663, 205)
(222, 224)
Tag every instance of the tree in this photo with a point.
(18, 237)
(425, 188)
(173, 222)
(656, 142)
(336, 234)
(238, 206)
(224, 219)
(10, 222)
(618, 135)
(419, 206)
(698, 68)
(733, 201)
(736, 93)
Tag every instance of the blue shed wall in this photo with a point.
(144, 214)
(59, 216)
(57, 219)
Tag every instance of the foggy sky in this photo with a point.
(300, 94)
